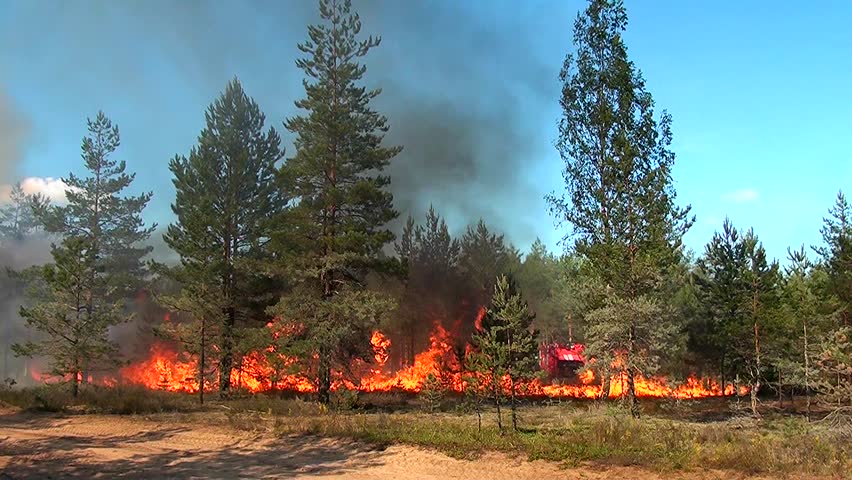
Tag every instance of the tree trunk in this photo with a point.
(499, 413)
(755, 380)
(226, 363)
(631, 392)
(605, 384)
(324, 373)
(513, 405)
(807, 375)
(75, 385)
(201, 363)
(631, 381)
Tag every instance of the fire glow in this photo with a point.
(166, 369)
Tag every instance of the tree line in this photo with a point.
(303, 241)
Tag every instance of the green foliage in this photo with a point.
(335, 228)
(577, 436)
(836, 255)
(541, 276)
(835, 367)
(75, 328)
(226, 194)
(642, 326)
(740, 293)
(505, 348)
(96, 267)
(97, 212)
(432, 393)
(485, 256)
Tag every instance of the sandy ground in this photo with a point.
(54, 447)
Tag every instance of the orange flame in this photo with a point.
(267, 370)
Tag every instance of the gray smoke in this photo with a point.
(459, 83)
(14, 129)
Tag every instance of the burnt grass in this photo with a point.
(672, 435)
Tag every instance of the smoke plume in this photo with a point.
(460, 81)
(14, 129)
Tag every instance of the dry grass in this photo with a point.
(686, 436)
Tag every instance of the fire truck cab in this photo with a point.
(562, 361)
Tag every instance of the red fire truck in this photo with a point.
(562, 361)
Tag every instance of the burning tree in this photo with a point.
(333, 233)
(505, 349)
(620, 198)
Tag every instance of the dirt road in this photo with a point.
(91, 446)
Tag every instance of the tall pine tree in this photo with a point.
(333, 234)
(226, 194)
(619, 198)
(97, 265)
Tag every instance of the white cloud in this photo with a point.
(53, 188)
(741, 196)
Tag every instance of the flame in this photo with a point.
(380, 344)
(265, 370)
(164, 369)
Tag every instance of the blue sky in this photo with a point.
(759, 92)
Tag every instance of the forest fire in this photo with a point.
(166, 369)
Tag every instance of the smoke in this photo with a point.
(14, 129)
(461, 82)
(52, 188)
(459, 87)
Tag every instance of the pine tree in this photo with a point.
(722, 292)
(17, 218)
(101, 233)
(739, 292)
(836, 255)
(802, 307)
(620, 198)
(74, 328)
(226, 194)
(333, 234)
(762, 279)
(96, 211)
(505, 346)
(835, 360)
(484, 256)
